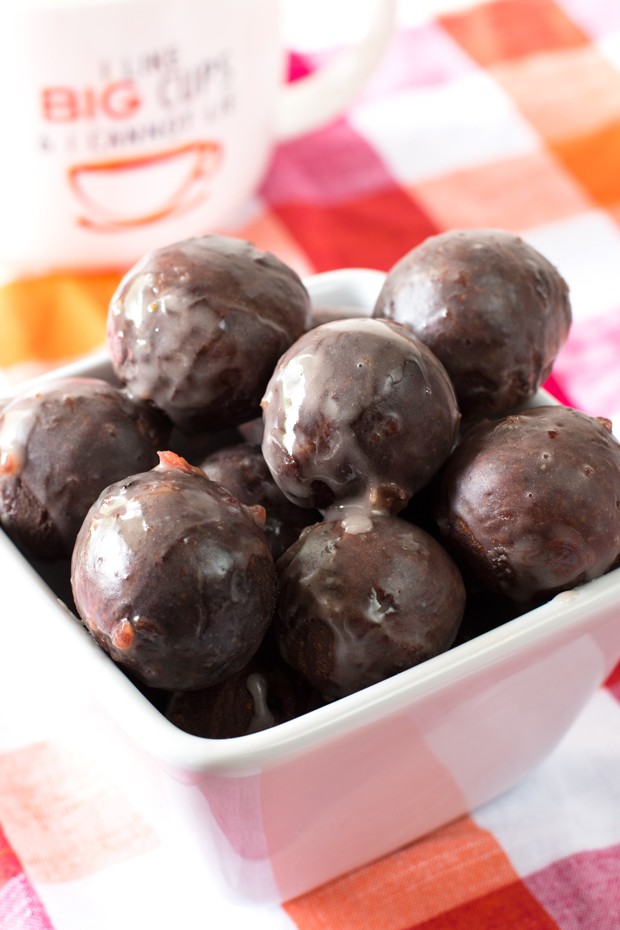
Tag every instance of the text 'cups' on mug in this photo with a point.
(140, 122)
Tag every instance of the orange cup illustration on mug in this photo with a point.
(173, 180)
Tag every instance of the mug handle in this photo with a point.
(311, 101)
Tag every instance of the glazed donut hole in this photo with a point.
(492, 308)
(531, 502)
(61, 444)
(363, 600)
(173, 577)
(197, 327)
(264, 693)
(357, 412)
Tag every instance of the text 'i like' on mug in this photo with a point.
(137, 122)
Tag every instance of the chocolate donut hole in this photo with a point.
(198, 326)
(490, 306)
(263, 694)
(531, 502)
(363, 598)
(357, 411)
(60, 446)
(173, 577)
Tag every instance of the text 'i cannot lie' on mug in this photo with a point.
(133, 123)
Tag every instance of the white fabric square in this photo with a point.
(586, 251)
(427, 131)
(609, 47)
(564, 806)
(413, 12)
(160, 890)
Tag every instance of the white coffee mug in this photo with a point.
(132, 123)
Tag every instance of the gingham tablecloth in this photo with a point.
(502, 114)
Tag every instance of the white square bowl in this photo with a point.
(278, 812)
